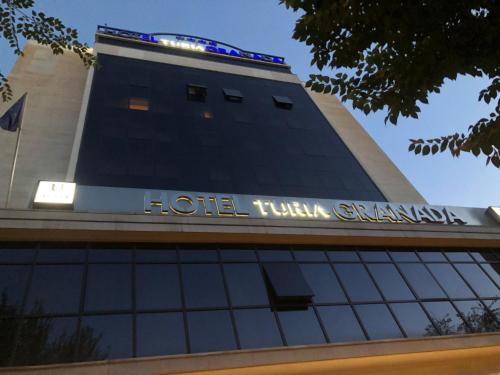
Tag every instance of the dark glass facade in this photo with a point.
(159, 126)
(65, 304)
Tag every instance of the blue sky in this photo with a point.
(265, 26)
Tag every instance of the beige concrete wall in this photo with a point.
(473, 354)
(55, 86)
(389, 179)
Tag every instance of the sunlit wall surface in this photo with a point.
(91, 302)
(144, 130)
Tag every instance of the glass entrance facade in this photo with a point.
(91, 302)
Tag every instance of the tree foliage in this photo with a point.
(392, 54)
(19, 19)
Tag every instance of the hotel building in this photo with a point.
(187, 206)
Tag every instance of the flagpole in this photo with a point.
(14, 159)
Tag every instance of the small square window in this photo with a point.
(233, 95)
(196, 93)
(283, 102)
(287, 283)
(138, 104)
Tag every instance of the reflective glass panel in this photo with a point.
(458, 256)
(157, 287)
(340, 324)
(155, 256)
(357, 283)
(210, 331)
(55, 289)
(246, 284)
(257, 328)
(105, 336)
(450, 281)
(203, 286)
(374, 256)
(390, 282)
(413, 319)
(404, 256)
(323, 282)
(378, 322)
(343, 256)
(431, 256)
(160, 334)
(477, 279)
(477, 316)
(421, 281)
(275, 256)
(238, 256)
(198, 255)
(310, 256)
(493, 270)
(13, 280)
(110, 255)
(46, 340)
(108, 287)
(61, 256)
(301, 327)
(17, 255)
(445, 317)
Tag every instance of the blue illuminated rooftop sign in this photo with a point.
(192, 43)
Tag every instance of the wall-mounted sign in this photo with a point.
(192, 43)
(55, 194)
(213, 205)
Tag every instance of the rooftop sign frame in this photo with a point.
(192, 43)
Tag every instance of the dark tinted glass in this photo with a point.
(421, 281)
(46, 340)
(390, 282)
(108, 287)
(160, 334)
(301, 327)
(246, 284)
(477, 317)
(157, 287)
(105, 336)
(323, 282)
(445, 317)
(110, 255)
(450, 281)
(238, 256)
(257, 328)
(310, 256)
(287, 281)
(340, 324)
(493, 270)
(378, 321)
(155, 256)
(13, 280)
(374, 256)
(431, 256)
(357, 283)
(478, 280)
(413, 319)
(198, 255)
(404, 256)
(203, 286)
(343, 256)
(458, 256)
(275, 256)
(61, 256)
(17, 255)
(55, 289)
(210, 331)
